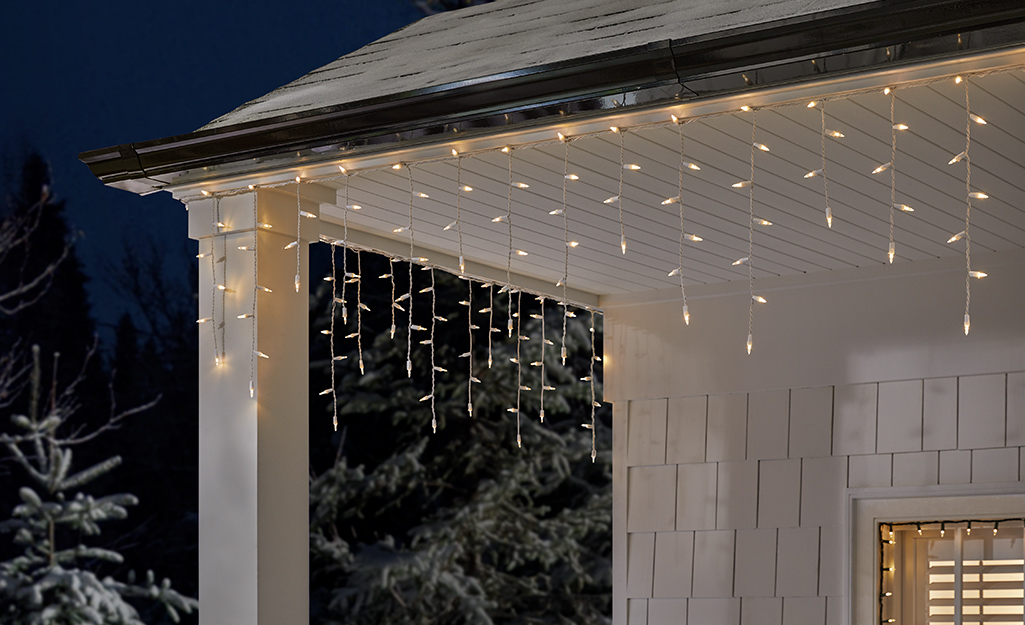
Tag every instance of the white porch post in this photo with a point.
(253, 453)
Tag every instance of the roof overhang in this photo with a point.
(872, 37)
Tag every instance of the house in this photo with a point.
(805, 460)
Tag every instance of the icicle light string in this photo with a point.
(491, 317)
(298, 228)
(519, 366)
(434, 367)
(508, 261)
(825, 175)
(594, 403)
(619, 198)
(345, 252)
(214, 230)
(968, 210)
(360, 307)
(565, 224)
(683, 230)
(331, 336)
(894, 127)
(750, 233)
(469, 354)
(409, 329)
(252, 312)
(459, 203)
(541, 360)
(391, 277)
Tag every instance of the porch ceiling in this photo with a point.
(797, 242)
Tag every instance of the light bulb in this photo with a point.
(741, 184)
(614, 128)
(521, 185)
(745, 108)
(904, 207)
(957, 159)
(978, 195)
(572, 177)
(467, 188)
(890, 252)
(462, 265)
(676, 120)
(693, 237)
(505, 150)
(975, 118)
(632, 167)
(260, 354)
(762, 222)
(622, 243)
(759, 299)
(829, 217)
(978, 274)
(967, 324)
(423, 195)
(761, 146)
(881, 168)
(836, 134)
(205, 193)
(409, 368)
(741, 261)
(221, 287)
(296, 283)
(562, 353)
(813, 173)
(252, 391)
(956, 237)
(671, 200)
(397, 166)
(557, 211)
(749, 344)
(204, 320)
(399, 229)
(886, 91)
(614, 198)
(561, 136)
(249, 315)
(957, 80)
(900, 127)
(686, 315)
(292, 245)
(521, 253)
(812, 104)
(448, 227)
(573, 243)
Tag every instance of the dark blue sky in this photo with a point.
(83, 75)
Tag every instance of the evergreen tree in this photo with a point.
(459, 526)
(52, 581)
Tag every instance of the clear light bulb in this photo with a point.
(829, 217)
(742, 184)
(686, 315)
(296, 283)
(978, 120)
(967, 324)
(749, 344)
(812, 174)
(890, 252)
(881, 168)
(622, 243)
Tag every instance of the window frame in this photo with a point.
(867, 507)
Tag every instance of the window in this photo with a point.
(952, 572)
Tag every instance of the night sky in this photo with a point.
(78, 76)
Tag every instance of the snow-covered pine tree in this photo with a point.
(458, 527)
(52, 581)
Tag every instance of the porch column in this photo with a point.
(253, 452)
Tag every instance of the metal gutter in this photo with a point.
(867, 37)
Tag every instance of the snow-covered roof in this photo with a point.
(507, 37)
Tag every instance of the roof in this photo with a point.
(506, 38)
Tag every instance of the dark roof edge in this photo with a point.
(146, 166)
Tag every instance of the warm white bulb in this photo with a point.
(759, 299)
(572, 177)
(611, 200)
(813, 173)
(957, 80)
(614, 128)
(749, 344)
(890, 252)
(632, 167)
(562, 137)
(836, 134)
(812, 104)
(686, 315)
(741, 184)
(904, 207)
(671, 200)
(761, 146)
(741, 261)
(521, 185)
(205, 193)
(622, 243)
(676, 120)
(762, 222)
(690, 165)
(505, 150)
(978, 274)
(829, 217)
(967, 323)
(693, 237)
(467, 188)
(573, 243)
(956, 237)
(957, 159)
(881, 168)
(521, 253)
(498, 219)
(886, 91)
(745, 108)
(978, 195)
(900, 127)
(674, 272)
(397, 166)
(975, 118)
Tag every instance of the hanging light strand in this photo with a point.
(542, 360)
(508, 260)
(469, 354)
(491, 319)
(459, 216)
(360, 307)
(434, 368)
(968, 210)
(519, 365)
(565, 270)
(594, 403)
(345, 252)
(391, 278)
(409, 329)
(252, 313)
(619, 198)
(893, 172)
(750, 234)
(215, 212)
(331, 336)
(679, 197)
(298, 227)
(825, 176)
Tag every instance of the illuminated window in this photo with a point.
(950, 572)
